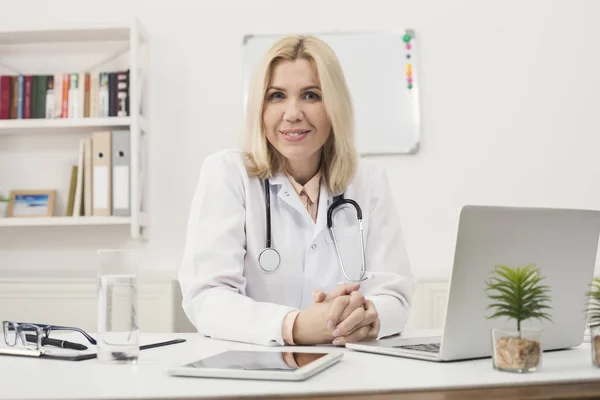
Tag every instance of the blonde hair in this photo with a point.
(339, 158)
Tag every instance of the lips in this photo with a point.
(294, 135)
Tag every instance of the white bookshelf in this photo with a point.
(79, 49)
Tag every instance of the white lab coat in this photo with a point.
(226, 294)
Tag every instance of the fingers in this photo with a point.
(355, 336)
(365, 333)
(367, 327)
(342, 290)
(343, 306)
(348, 325)
(337, 307)
(371, 314)
(374, 331)
(357, 300)
(371, 320)
(319, 296)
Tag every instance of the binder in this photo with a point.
(101, 177)
(121, 175)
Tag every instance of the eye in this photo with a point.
(276, 96)
(311, 96)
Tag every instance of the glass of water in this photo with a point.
(118, 331)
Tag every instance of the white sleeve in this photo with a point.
(392, 285)
(211, 273)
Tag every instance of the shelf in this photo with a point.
(98, 33)
(64, 221)
(64, 125)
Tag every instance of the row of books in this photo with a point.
(68, 95)
(100, 182)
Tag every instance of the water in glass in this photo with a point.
(118, 331)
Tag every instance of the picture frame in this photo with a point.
(31, 203)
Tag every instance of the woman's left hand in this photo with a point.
(362, 324)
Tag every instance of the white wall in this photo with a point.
(510, 104)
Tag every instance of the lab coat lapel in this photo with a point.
(325, 200)
(286, 192)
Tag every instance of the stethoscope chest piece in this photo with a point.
(269, 259)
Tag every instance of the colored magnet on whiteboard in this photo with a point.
(409, 80)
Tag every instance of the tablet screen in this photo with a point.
(257, 360)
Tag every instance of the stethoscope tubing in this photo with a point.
(338, 202)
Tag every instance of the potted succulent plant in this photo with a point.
(518, 294)
(593, 319)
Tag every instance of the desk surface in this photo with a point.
(358, 374)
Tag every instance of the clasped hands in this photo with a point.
(339, 317)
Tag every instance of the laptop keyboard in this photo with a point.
(429, 347)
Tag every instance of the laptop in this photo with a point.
(562, 242)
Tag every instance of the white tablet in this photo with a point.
(264, 365)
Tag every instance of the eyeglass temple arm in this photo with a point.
(71, 328)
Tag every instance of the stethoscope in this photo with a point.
(269, 258)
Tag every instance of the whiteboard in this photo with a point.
(382, 74)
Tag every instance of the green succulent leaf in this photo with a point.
(518, 293)
(593, 295)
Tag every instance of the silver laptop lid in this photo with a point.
(562, 242)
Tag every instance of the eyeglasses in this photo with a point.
(13, 331)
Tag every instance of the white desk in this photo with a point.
(356, 373)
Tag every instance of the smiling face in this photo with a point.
(294, 116)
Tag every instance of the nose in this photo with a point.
(292, 112)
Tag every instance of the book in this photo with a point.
(122, 93)
(5, 96)
(72, 189)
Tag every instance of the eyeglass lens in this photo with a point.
(15, 332)
(10, 333)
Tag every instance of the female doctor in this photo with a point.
(260, 264)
